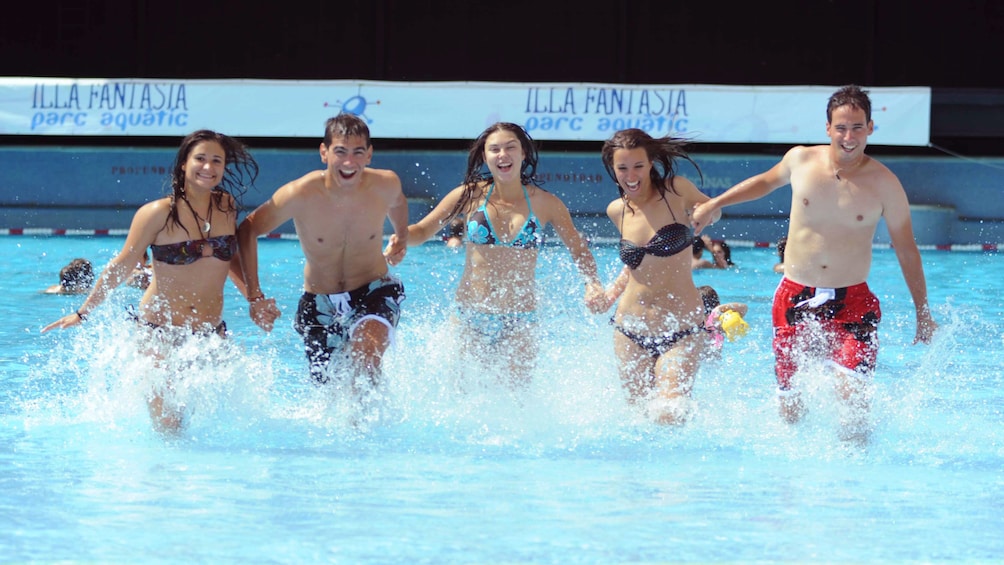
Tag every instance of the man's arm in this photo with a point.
(398, 216)
(267, 217)
(896, 210)
(752, 188)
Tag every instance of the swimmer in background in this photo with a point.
(823, 309)
(454, 236)
(698, 261)
(505, 213)
(659, 336)
(779, 266)
(192, 237)
(77, 277)
(143, 273)
(721, 253)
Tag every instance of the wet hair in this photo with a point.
(476, 175)
(661, 151)
(346, 125)
(455, 228)
(781, 244)
(77, 275)
(726, 251)
(851, 95)
(710, 298)
(698, 247)
(240, 172)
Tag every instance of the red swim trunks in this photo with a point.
(836, 324)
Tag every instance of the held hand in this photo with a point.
(66, 321)
(396, 249)
(264, 313)
(702, 216)
(596, 299)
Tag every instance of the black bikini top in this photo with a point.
(668, 241)
(187, 252)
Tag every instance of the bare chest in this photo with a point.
(822, 198)
(340, 220)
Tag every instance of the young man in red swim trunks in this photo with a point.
(823, 308)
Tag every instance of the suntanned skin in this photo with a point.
(499, 278)
(339, 217)
(659, 296)
(178, 295)
(839, 194)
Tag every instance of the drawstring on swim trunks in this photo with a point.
(823, 295)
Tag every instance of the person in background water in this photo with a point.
(351, 302)
(823, 307)
(721, 253)
(659, 321)
(505, 213)
(781, 243)
(76, 277)
(454, 236)
(698, 261)
(192, 237)
(142, 274)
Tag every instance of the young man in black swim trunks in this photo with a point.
(350, 303)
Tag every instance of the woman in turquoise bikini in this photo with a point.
(504, 213)
(191, 236)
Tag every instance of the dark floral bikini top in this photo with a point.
(669, 240)
(187, 252)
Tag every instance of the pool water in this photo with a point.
(458, 467)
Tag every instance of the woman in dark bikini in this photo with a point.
(191, 236)
(659, 337)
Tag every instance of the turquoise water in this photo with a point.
(459, 468)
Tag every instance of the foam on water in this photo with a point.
(450, 462)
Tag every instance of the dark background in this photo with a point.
(957, 47)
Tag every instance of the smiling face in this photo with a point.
(632, 169)
(503, 155)
(204, 166)
(346, 157)
(848, 130)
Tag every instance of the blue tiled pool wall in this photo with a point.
(955, 200)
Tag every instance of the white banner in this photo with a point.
(446, 110)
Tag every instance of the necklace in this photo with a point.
(846, 168)
(204, 224)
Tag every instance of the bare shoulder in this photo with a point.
(615, 208)
(878, 168)
(539, 194)
(453, 197)
(155, 209)
(882, 178)
(801, 154)
(384, 179)
(682, 186)
(149, 220)
(299, 188)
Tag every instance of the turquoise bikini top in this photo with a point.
(480, 232)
